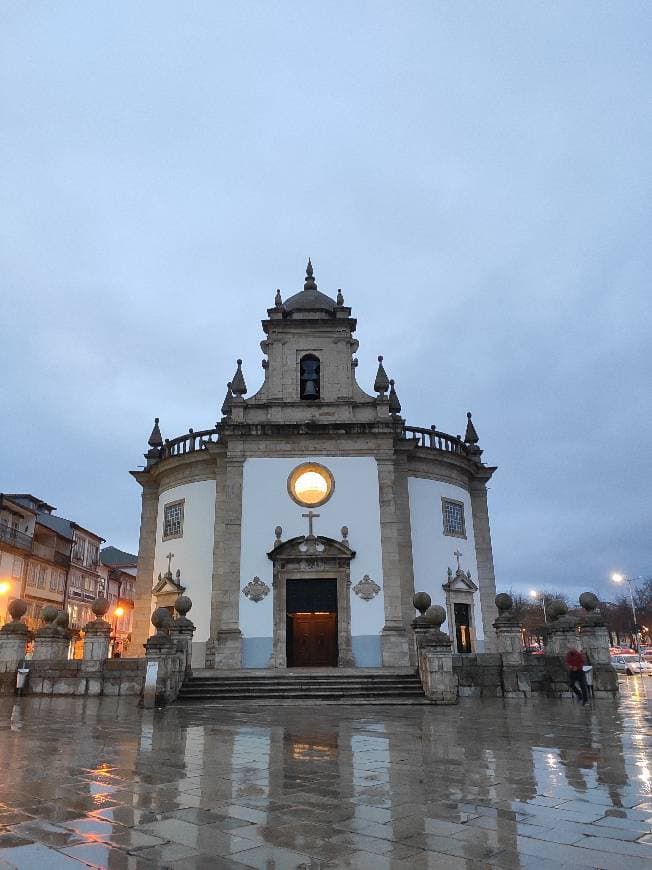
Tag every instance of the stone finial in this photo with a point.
(17, 609)
(278, 531)
(309, 283)
(345, 534)
(556, 609)
(470, 436)
(589, 601)
(161, 619)
(155, 439)
(435, 615)
(394, 404)
(49, 613)
(62, 620)
(381, 384)
(421, 602)
(182, 605)
(278, 302)
(340, 298)
(504, 602)
(238, 386)
(227, 404)
(100, 607)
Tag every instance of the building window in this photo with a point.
(42, 574)
(79, 550)
(17, 567)
(309, 377)
(310, 484)
(173, 520)
(453, 514)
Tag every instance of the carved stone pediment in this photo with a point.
(314, 552)
(459, 582)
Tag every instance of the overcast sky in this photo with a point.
(475, 176)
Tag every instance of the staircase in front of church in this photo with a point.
(303, 685)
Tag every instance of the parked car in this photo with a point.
(631, 665)
(621, 651)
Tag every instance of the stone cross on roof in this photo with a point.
(459, 556)
(310, 516)
(170, 557)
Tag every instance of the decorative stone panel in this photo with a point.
(367, 589)
(256, 590)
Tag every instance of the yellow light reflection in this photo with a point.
(311, 487)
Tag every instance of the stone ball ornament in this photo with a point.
(17, 609)
(182, 605)
(557, 608)
(49, 614)
(589, 601)
(100, 606)
(504, 602)
(63, 618)
(161, 618)
(435, 615)
(421, 601)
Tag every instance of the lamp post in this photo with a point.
(534, 594)
(5, 588)
(117, 613)
(617, 577)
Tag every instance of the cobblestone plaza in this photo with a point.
(541, 784)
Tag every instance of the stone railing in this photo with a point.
(189, 442)
(435, 440)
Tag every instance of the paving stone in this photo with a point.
(483, 784)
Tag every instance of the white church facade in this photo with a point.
(305, 520)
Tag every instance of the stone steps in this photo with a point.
(380, 687)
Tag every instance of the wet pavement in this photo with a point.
(484, 784)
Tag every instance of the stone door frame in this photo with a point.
(316, 558)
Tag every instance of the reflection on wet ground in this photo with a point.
(484, 784)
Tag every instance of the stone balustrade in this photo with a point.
(95, 674)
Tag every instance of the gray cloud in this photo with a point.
(476, 179)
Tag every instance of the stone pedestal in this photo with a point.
(515, 680)
(51, 642)
(13, 639)
(97, 640)
(595, 643)
(436, 660)
(182, 631)
(560, 636)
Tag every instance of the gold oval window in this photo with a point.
(310, 484)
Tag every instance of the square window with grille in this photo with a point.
(173, 520)
(453, 514)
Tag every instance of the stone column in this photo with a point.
(484, 558)
(225, 648)
(406, 564)
(436, 660)
(161, 648)
(182, 631)
(51, 642)
(560, 636)
(13, 639)
(393, 636)
(145, 567)
(514, 678)
(97, 639)
(595, 643)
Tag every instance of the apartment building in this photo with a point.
(118, 570)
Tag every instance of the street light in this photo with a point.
(617, 577)
(535, 594)
(117, 613)
(5, 586)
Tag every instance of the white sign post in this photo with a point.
(149, 693)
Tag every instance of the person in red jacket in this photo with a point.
(576, 675)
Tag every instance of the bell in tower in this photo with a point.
(309, 377)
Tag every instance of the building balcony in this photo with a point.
(15, 538)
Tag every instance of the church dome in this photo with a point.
(310, 297)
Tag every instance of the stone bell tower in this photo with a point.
(310, 365)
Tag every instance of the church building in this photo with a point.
(303, 522)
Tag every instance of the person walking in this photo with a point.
(576, 675)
